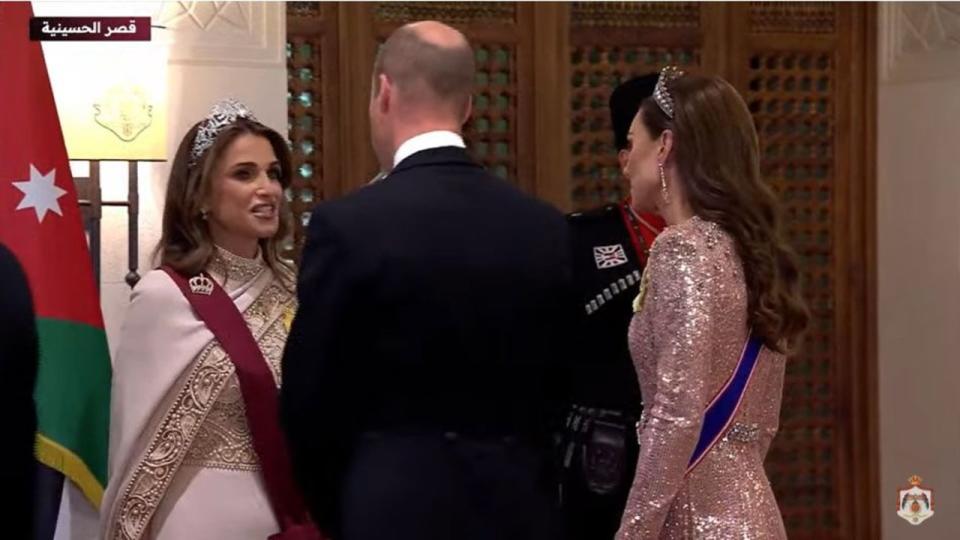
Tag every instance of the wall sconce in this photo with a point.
(112, 102)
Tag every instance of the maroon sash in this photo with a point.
(217, 310)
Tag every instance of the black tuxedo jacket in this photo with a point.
(424, 369)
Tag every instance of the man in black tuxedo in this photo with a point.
(421, 375)
(18, 371)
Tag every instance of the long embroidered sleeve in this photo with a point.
(681, 293)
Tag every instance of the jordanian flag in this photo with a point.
(40, 222)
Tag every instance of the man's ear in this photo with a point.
(467, 110)
(385, 95)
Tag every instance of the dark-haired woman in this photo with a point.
(719, 306)
(182, 458)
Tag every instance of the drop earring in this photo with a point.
(663, 184)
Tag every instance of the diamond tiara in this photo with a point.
(222, 115)
(661, 94)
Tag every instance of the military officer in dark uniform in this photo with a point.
(599, 444)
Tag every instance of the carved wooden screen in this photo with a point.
(800, 71)
(311, 60)
(791, 94)
(541, 120)
(611, 42)
(496, 128)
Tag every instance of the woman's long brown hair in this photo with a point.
(716, 152)
(185, 242)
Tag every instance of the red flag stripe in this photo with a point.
(53, 251)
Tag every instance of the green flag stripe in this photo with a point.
(73, 392)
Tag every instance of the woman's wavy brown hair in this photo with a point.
(185, 242)
(716, 152)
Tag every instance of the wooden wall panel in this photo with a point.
(312, 104)
(801, 69)
(499, 132)
(611, 42)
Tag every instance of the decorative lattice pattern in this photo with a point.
(491, 131)
(304, 125)
(636, 14)
(450, 12)
(491, 134)
(791, 96)
(303, 9)
(596, 70)
(793, 17)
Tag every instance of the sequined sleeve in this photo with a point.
(683, 315)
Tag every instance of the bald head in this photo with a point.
(428, 62)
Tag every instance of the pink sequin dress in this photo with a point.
(686, 338)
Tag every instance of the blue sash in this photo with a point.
(719, 414)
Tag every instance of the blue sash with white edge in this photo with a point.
(721, 411)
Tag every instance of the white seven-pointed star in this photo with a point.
(40, 193)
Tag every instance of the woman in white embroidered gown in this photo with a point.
(182, 463)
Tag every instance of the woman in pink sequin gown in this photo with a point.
(719, 269)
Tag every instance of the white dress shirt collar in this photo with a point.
(427, 141)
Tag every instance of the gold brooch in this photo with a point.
(288, 315)
(642, 293)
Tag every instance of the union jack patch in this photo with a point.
(609, 256)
